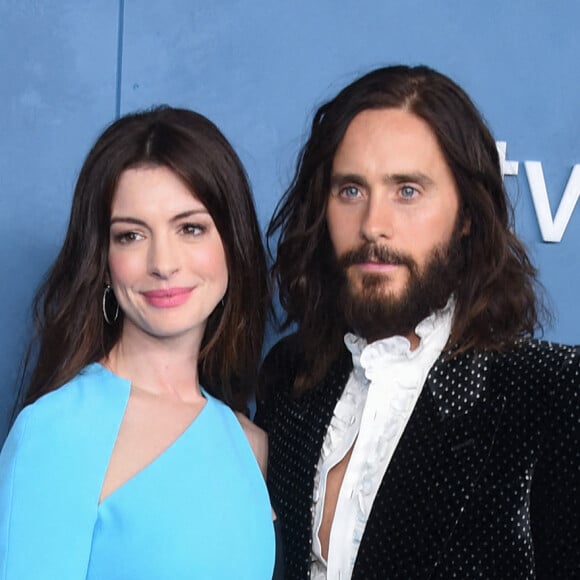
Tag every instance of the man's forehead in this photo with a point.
(393, 142)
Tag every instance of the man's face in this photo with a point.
(392, 215)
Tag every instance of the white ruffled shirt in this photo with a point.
(371, 414)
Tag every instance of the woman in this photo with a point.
(122, 465)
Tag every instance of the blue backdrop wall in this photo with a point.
(259, 68)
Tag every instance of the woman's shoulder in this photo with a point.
(256, 437)
(85, 395)
(41, 424)
(258, 440)
(82, 384)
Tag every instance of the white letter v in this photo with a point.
(552, 229)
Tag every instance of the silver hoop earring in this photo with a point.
(108, 291)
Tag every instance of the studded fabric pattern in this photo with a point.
(485, 481)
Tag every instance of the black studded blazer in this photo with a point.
(485, 481)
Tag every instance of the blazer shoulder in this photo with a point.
(544, 361)
(281, 363)
(276, 378)
(544, 372)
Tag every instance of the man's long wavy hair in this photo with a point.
(70, 329)
(497, 299)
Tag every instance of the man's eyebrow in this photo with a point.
(412, 177)
(339, 179)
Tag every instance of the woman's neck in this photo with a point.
(160, 367)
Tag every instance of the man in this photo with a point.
(417, 430)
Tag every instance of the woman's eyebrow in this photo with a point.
(139, 222)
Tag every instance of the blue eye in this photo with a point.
(408, 192)
(350, 192)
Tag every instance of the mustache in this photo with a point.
(375, 253)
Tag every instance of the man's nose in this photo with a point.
(377, 220)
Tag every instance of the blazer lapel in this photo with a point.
(434, 470)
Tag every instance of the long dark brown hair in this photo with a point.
(497, 300)
(71, 331)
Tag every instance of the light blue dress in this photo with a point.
(199, 510)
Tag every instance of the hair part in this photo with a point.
(497, 298)
(70, 328)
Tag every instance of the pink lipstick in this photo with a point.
(168, 297)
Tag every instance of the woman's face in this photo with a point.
(167, 263)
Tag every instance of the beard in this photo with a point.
(374, 312)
